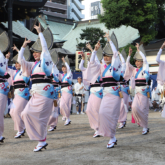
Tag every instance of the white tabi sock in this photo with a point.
(41, 143)
(67, 120)
(21, 132)
(112, 140)
(144, 129)
(96, 132)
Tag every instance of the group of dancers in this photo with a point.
(35, 109)
(108, 79)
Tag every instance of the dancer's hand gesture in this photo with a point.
(163, 46)
(8, 55)
(97, 46)
(25, 43)
(15, 48)
(63, 59)
(137, 46)
(83, 56)
(130, 51)
(38, 28)
(107, 36)
(89, 47)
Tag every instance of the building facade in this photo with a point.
(67, 9)
(92, 9)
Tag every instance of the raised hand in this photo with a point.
(89, 47)
(130, 51)
(163, 46)
(97, 46)
(38, 28)
(8, 55)
(107, 36)
(15, 48)
(137, 46)
(25, 43)
(63, 59)
(83, 56)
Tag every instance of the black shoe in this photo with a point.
(2, 140)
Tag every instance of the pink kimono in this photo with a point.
(140, 105)
(161, 75)
(95, 97)
(110, 105)
(3, 91)
(123, 112)
(66, 93)
(124, 89)
(38, 110)
(53, 120)
(21, 97)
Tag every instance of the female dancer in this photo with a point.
(4, 85)
(66, 90)
(161, 75)
(125, 92)
(53, 120)
(21, 96)
(140, 105)
(38, 110)
(96, 93)
(110, 105)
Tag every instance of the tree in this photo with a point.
(91, 35)
(134, 49)
(140, 14)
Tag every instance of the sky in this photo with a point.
(87, 4)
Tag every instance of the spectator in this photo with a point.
(156, 97)
(79, 93)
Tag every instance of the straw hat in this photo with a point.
(27, 55)
(137, 55)
(36, 47)
(114, 40)
(124, 54)
(67, 60)
(100, 53)
(4, 42)
(62, 52)
(54, 56)
(107, 50)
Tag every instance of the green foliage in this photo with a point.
(132, 61)
(92, 35)
(140, 14)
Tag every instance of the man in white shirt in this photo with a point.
(156, 97)
(79, 93)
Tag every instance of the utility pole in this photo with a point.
(10, 33)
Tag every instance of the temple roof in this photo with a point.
(21, 31)
(125, 35)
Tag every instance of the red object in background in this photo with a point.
(133, 120)
(79, 52)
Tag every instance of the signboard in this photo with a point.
(95, 8)
(79, 57)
